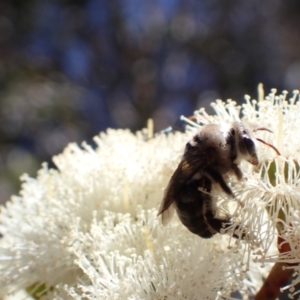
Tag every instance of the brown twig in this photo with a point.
(277, 277)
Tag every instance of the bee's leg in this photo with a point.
(206, 183)
(217, 224)
(217, 177)
(237, 171)
(239, 232)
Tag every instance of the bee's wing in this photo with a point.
(186, 169)
(167, 214)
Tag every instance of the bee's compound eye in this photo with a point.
(197, 139)
(249, 144)
(189, 147)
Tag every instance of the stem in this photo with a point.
(277, 277)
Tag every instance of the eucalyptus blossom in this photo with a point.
(89, 228)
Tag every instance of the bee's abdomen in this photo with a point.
(194, 220)
(195, 211)
(192, 205)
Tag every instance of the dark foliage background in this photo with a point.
(69, 69)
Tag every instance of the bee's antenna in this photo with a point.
(262, 141)
(270, 145)
(262, 128)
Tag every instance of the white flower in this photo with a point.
(141, 260)
(270, 196)
(89, 229)
(122, 173)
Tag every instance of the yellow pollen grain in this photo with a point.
(150, 129)
(279, 132)
(148, 239)
(260, 92)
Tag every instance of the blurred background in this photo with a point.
(69, 69)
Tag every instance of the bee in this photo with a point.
(213, 152)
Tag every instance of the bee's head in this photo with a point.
(246, 144)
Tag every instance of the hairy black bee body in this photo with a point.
(212, 153)
(194, 207)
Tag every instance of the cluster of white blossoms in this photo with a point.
(89, 229)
